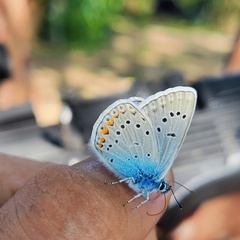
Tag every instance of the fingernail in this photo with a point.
(184, 232)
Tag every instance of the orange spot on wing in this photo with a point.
(116, 115)
(102, 140)
(110, 122)
(105, 131)
(100, 145)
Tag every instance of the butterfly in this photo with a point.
(138, 139)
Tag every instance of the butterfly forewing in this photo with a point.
(171, 113)
(125, 139)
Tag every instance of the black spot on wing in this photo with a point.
(171, 134)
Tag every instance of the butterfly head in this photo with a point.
(163, 186)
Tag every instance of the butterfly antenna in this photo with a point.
(138, 90)
(179, 205)
(155, 214)
(184, 187)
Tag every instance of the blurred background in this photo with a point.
(63, 62)
(94, 49)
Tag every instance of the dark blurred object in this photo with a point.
(167, 7)
(209, 87)
(5, 71)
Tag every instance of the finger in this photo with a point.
(74, 203)
(14, 172)
(136, 222)
(152, 235)
(218, 218)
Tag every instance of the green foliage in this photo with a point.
(79, 22)
(89, 23)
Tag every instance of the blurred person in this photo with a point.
(18, 23)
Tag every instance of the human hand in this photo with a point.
(14, 173)
(218, 218)
(62, 202)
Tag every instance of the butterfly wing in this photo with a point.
(171, 112)
(124, 140)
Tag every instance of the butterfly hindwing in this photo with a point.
(171, 113)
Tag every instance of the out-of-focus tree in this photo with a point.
(223, 14)
(79, 22)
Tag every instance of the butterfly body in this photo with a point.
(138, 139)
(149, 183)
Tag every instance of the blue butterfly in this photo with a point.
(138, 139)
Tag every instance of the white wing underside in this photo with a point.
(144, 135)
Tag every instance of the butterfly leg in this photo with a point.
(146, 195)
(136, 196)
(121, 180)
